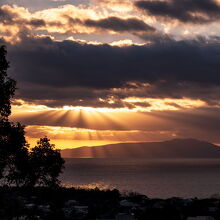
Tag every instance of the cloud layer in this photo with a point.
(154, 65)
(192, 11)
(70, 71)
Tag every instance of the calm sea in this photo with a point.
(154, 178)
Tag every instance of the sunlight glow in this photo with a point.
(165, 104)
(138, 105)
(67, 137)
(75, 126)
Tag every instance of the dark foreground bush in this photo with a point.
(70, 203)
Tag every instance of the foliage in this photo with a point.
(46, 164)
(13, 146)
(40, 166)
(7, 86)
(14, 152)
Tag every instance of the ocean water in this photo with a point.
(155, 178)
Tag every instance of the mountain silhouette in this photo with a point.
(176, 148)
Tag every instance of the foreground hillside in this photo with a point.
(176, 148)
(80, 204)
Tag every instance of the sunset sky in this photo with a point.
(94, 72)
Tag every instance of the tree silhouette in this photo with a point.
(14, 155)
(7, 86)
(12, 141)
(40, 166)
(46, 164)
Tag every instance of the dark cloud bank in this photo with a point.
(70, 73)
(51, 70)
(119, 25)
(192, 11)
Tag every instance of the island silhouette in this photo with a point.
(175, 148)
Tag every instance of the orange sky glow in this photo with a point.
(96, 72)
(76, 126)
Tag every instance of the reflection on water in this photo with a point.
(93, 185)
(154, 178)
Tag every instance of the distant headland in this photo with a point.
(175, 148)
